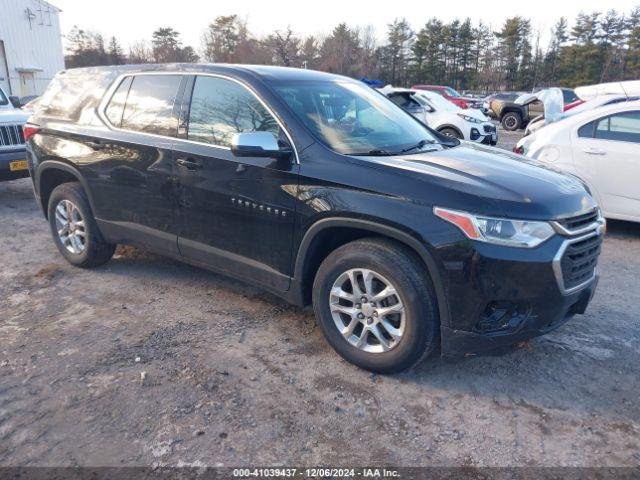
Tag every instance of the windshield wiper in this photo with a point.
(376, 152)
(417, 146)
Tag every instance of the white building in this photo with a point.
(30, 46)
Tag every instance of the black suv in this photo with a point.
(320, 190)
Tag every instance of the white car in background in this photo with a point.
(602, 147)
(13, 151)
(443, 116)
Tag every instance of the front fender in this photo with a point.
(377, 228)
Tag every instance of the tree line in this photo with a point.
(598, 47)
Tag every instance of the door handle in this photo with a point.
(188, 164)
(594, 151)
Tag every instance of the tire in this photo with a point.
(450, 132)
(511, 121)
(402, 268)
(88, 248)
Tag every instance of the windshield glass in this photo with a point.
(438, 102)
(451, 92)
(353, 119)
(3, 98)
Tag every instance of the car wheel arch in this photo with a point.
(452, 127)
(51, 173)
(307, 262)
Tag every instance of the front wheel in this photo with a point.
(450, 132)
(511, 121)
(374, 301)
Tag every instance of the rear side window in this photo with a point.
(149, 105)
(115, 108)
(75, 94)
(621, 127)
(221, 108)
(586, 131)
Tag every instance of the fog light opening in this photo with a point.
(500, 316)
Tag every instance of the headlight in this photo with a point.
(469, 118)
(500, 231)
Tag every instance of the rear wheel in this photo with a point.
(74, 229)
(511, 121)
(375, 304)
(450, 132)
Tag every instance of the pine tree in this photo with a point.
(116, 57)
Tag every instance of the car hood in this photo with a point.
(13, 116)
(492, 181)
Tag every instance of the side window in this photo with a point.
(115, 108)
(220, 108)
(586, 131)
(149, 105)
(621, 127)
(569, 96)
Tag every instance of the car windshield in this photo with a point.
(3, 98)
(353, 119)
(451, 92)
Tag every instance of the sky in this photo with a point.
(134, 20)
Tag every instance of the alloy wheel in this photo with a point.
(367, 310)
(71, 227)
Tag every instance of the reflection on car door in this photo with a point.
(236, 214)
(608, 151)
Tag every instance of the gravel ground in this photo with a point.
(146, 361)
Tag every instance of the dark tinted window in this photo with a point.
(569, 96)
(115, 108)
(622, 127)
(149, 106)
(586, 131)
(220, 108)
(406, 101)
(3, 99)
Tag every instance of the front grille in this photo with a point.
(579, 221)
(489, 129)
(11, 135)
(579, 260)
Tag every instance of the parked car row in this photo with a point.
(444, 116)
(452, 96)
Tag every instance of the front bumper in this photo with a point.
(500, 296)
(460, 343)
(485, 134)
(12, 156)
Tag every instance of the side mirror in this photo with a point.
(15, 101)
(258, 144)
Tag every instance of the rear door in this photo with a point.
(236, 214)
(131, 175)
(608, 151)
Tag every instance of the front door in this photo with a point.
(607, 152)
(236, 214)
